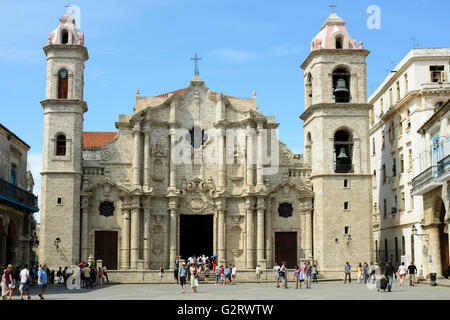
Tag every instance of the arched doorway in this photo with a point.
(2, 244)
(12, 243)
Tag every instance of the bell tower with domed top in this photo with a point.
(336, 129)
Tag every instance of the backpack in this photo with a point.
(282, 271)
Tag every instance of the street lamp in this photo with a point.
(414, 233)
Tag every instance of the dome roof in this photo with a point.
(333, 29)
(67, 24)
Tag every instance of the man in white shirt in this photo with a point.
(276, 270)
(24, 282)
(233, 274)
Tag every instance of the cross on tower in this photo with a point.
(68, 6)
(332, 6)
(196, 59)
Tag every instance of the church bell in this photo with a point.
(342, 154)
(341, 89)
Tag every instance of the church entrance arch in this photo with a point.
(196, 235)
(12, 243)
(443, 235)
(286, 248)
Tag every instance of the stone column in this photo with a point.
(250, 260)
(268, 234)
(260, 232)
(357, 155)
(303, 228)
(173, 231)
(84, 228)
(173, 172)
(435, 249)
(125, 245)
(259, 159)
(147, 209)
(221, 152)
(134, 247)
(221, 236)
(147, 159)
(308, 154)
(308, 233)
(137, 154)
(250, 154)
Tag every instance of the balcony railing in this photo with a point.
(423, 178)
(15, 193)
(443, 165)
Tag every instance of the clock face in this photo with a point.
(63, 74)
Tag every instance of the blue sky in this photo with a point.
(246, 45)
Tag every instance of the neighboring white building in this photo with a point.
(402, 103)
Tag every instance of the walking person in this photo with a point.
(16, 279)
(308, 275)
(105, 273)
(226, 273)
(233, 274)
(87, 276)
(389, 273)
(412, 270)
(4, 286)
(348, 270)
(373, 271)
(366, 272)
(402, 270)
(217, 273)
(193, 276)
(206, 271)
(276, 271)
(283, 274)
(182, 276)
(59, 275)
(314, 274)
(258, 273)
(222, 275)
(161, 272)
(175, 270)
(297, 277)
(25, 282)
(9, 280)
(42, 280)
(359, 272)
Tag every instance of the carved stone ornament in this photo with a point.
(106, 155)
(198, 194)
(106, 208)
(158, 149)
(287, 156)
(285, 191)
(107, 191)
(237, 252)
(285, 210)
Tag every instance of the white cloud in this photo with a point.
(35, 166)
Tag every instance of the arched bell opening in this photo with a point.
(343, 152)
(341, 85)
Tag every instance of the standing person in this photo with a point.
(217, 272)
(222, 275)
(206, 270)
(226, 273)
(214, 264)
(258, 273)
(42, 280)
(161, 272)
(175, 270)
(193, 276)
(182, 276)
(59, 275)
(24, 282)
(233, 274)
(308, 275)
(297, 277)
(105, 273)
(314, 274)
(4, 286)
(52, 276)
(16, 279)
(87, 276)
(373, 271)
(100, 276)
(389, 273)
(412, 270)
(359, 272)
(9, 281)
(402, 270)
(348, 270)
(276, 271)
(283, 274)
(92, 276)
(366, 272)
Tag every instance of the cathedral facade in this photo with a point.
(196, 171)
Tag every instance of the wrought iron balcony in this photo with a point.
(18, 195)
(443, 166)
(423, 178)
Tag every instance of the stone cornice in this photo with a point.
(336, 52)
(69, 47)
(52, 102)
(333, 105)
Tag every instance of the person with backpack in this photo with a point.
(366, 272)
(314, 274)
(276, 271)
(389, 273)
(182, 276)
(25, 282)
(283, 274)
(308, 275)
(217, 272)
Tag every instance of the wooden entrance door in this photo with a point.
(106, 248)
(286, 248)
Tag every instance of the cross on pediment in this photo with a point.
(196, 59)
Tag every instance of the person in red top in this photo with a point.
(214, 264)
(222, 274)
(9, 281)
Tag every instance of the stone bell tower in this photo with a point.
(336, 128)
(62, 155)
